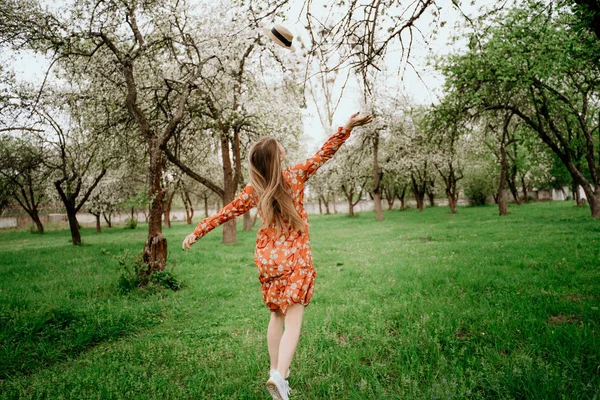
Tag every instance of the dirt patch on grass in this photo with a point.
(575, 297)
(463, 334)
(562, 319)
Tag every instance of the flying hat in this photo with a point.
(280, 35)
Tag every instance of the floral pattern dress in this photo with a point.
(284, 262)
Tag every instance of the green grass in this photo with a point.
(420, 306)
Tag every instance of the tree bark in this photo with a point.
(513, 185)
(452, 204)
(229, 228)
(431, 197)
(401, 195)
(108, 219)
(73, 226)
(167, 209)
(247, 221)
(503, 168)
(593, 199)
(333, 203)
(155, 248)
(389, 196)
(377, 175)
(576, 196)
(525, 192)
(189, 208)
(320, 206)
(29, 204)
(38, 223)
(325, 203)
(418, 190)
(98, 227)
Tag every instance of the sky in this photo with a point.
(422, 88)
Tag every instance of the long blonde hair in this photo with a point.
(275, 202)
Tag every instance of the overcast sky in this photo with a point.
(422, 90)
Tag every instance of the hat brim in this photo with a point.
(268, 33)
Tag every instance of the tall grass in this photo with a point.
(419, 306)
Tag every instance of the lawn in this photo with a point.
(423, 305)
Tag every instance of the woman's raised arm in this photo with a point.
(331, 146)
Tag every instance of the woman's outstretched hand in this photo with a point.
(355, 120)
(189, 241)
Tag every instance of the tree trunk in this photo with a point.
(420, 198)
(377, 175)
(74, 226)
(333, 203)
(98, 228)
(431, 197)
(167, 209)
(349, 196)
(326, 204)
(525, 193)
(594, 201)
(155, 248)
(38, 223)
(452, 203)
(229, 227)
(247, 221)
(419, 193)
(401, 195)
(189, 208)
(593, 198)
(512, 185)
(108, 219)
(576, 195)
(390, 197)
(320, 206)
(503, 169)
(205, 206)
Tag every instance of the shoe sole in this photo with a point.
(273, 391)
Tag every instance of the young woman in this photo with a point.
(282, 254)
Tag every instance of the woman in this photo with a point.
(282, 254)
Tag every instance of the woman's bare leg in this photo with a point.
(289, 340)
(274, 332)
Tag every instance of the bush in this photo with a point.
(131, 223)
(134, 274)
(478, 187)
(165, 279)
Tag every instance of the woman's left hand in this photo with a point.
(189, 241)
(355, 120)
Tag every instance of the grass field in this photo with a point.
(420, 306)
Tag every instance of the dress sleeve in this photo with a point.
(306, 169)
(241, 204)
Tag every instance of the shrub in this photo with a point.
(478, 187)
(131, 223)
(134, 274)
(165, 279)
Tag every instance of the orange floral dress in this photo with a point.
(284, 262)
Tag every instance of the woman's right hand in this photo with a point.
(355, 120)
(189, 241)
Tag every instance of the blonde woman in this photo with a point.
(282, 254)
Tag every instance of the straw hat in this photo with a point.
(280, 35)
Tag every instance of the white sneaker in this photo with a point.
(274, 370)
(278, 388)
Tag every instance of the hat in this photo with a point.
(280, 35)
